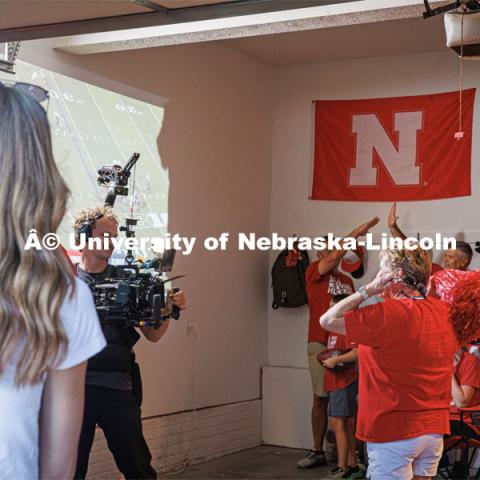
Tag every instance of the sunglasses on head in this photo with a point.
(36, 92)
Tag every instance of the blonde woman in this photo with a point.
(48, 323)
(406, 345)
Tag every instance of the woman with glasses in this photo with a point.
(48, 323)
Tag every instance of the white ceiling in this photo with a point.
(340, 43)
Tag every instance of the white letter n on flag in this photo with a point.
(400, 163)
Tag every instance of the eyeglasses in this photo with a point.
(36, 92)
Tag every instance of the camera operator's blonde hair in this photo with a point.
(91, 214)
(33, 282)
(415, 264)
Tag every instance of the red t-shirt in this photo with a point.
(467, 372)
(333, 380)
(405, 357)
(320, 289)
(436, 268)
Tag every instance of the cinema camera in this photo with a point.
(137, 297)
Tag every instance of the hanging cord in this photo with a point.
(460, 134)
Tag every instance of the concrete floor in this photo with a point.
(264, 462)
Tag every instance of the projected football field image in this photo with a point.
(92, 127)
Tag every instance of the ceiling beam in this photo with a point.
(150, 5)
(314, 18)
(157, 18)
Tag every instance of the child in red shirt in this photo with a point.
(341, 383)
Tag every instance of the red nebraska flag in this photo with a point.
(389, 149)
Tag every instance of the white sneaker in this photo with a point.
(312, 459)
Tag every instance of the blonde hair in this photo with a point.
(34, 282)
(415, 264)
(91, 215)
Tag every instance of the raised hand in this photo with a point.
(392, 216)
(380, 282)
(364, 228)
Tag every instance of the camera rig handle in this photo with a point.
(119, 177)
(175, 308)
(129, 233)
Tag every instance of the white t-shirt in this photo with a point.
(19, 408)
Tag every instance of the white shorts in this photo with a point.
(405, 458)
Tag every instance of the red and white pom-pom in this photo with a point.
(442, 283)
(461, 290)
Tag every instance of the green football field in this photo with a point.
(92, 127)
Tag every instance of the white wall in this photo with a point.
(216, 142)
(291, 212)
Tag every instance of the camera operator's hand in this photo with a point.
(178, 299)
(153, 334)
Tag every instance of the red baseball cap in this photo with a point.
(352, 262)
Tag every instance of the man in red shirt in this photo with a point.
(458, 258)
(323, 280)
(406, 345)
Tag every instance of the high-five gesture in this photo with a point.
(392, 216)
(392, 223)
(330, 260)
(364, 228)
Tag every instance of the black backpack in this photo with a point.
(288, 279)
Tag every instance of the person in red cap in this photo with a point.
(353, 261)
(323, 281)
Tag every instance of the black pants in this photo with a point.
(117, 414)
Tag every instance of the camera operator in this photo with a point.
(112, 375)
